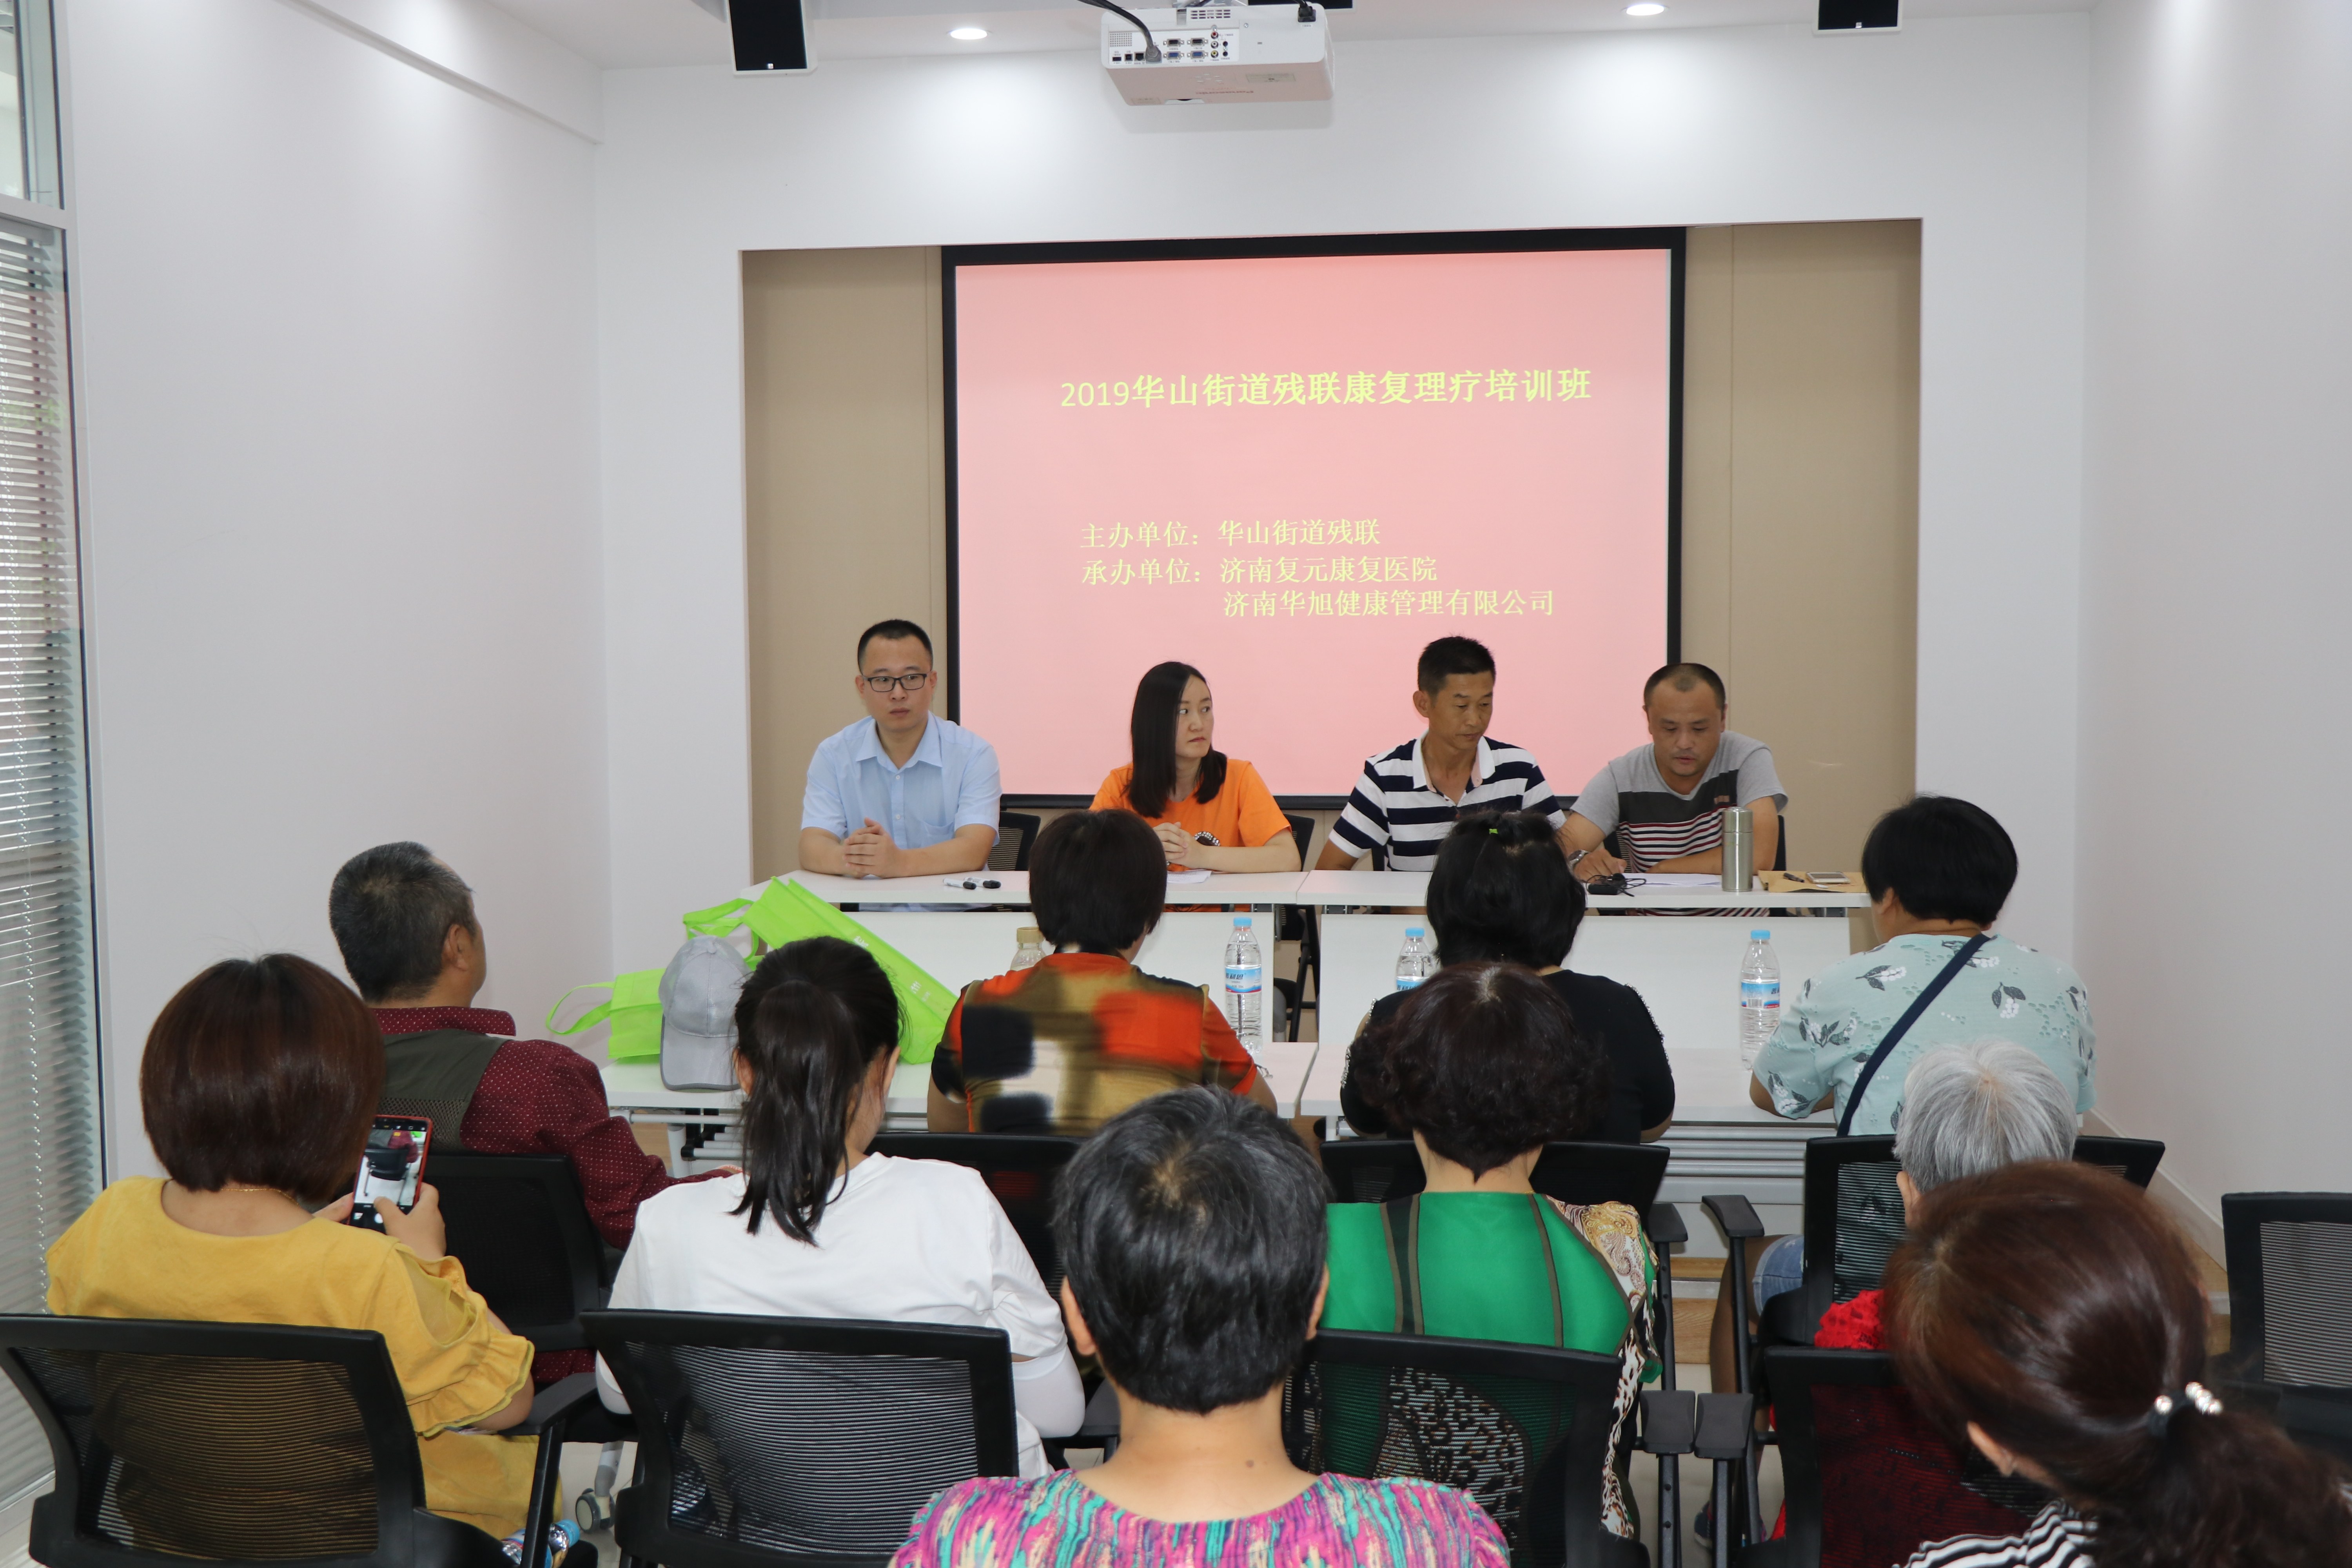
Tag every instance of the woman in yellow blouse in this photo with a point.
(259, 1085)
(1212, 812)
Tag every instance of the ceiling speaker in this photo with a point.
(1848, 16)
(769, 34)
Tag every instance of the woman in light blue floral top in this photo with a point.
(1938, 870)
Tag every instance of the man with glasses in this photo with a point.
(902, 792)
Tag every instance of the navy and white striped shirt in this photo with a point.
(2057, 1538)
(1394, 805)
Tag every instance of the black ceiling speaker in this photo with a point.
(1846, 16)
(769, 34)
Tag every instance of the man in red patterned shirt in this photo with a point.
(405, 924)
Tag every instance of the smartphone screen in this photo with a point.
(392, 1166)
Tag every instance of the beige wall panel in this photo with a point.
(1812, 447)
(845, 495)
(1707, 447)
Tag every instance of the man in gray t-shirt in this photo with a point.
(1665, 802)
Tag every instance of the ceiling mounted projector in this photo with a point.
(1230, 53)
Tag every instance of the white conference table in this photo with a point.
(1686, 964)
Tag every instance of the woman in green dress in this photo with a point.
(1483, 1066)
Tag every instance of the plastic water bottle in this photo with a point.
(1415, 962)
(1759, 995)
(1031, 951)
(1245, 983)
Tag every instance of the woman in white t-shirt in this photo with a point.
(815, 1226)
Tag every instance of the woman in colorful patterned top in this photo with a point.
(1191, 1230)
(1483, 1066)
(2051, 1312)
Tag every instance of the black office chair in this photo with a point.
(1018, 1169)
(1301, 923)
(1853, 1220)
(1868, 1479)
(520, 1227)
(243, 1442)
(1375, 1170)
(2290, 1261)
(799, 1440)
(1524, 1429)
(1016, 834)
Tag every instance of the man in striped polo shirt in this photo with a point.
(1665, 802)
(1409, 799)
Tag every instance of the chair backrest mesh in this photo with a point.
(1891, 1482)
(1502, 1439)
(504, 1229)
(1372, 1170)
(1869, 1227)
(806, 1451)
(2307, 1302)
(215, 1456)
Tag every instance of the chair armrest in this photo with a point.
(1725, 1421)
(1665, 1225)
(1786, 1320)
(1735, 1215)
(1669, 1421)
(556, 1402)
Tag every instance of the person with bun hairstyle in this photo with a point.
(1482, 1064)
(2051, 1313)
(258, 1087)
(1212, 812)
(1502, 891)
(815, 1225)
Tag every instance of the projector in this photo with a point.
(1235, 53)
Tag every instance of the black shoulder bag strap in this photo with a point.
(1902, 1027)
(1404, 1259)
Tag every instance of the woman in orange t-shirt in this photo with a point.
(1212, 812)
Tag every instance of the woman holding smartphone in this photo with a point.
(1212, 812)
(258, 1088)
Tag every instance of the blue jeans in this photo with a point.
(1780, 1269)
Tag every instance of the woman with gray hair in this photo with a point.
(1965, 1109)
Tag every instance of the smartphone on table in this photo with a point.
(392, 1166)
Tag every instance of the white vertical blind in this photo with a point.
(48, 1066)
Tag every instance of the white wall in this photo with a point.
(2215, 634)
(337, 367)
(1976, 126)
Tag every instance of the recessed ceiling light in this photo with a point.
(973, 35)
(1645, 8)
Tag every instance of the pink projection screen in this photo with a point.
(1293, 471)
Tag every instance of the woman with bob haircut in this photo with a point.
(1065, 1045)
(2051, 1313)
(1192, 1226)
(1482, 1064)
(1212, 812)
(1502, 892)
(815, 1225)
(258, 1087)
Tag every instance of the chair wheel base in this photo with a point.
(592, 1512)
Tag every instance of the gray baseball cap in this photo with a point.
(697, 1003)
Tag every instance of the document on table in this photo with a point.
(1641, 881)
(1189, 877)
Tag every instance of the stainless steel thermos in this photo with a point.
(1738, 849)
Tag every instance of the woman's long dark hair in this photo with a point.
(810, 1023)
(2052, 1304)
(1151, 741)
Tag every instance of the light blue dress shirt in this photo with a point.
(950, 783)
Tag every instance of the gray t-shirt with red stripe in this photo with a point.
(1655, 823)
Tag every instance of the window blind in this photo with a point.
(49, 1059)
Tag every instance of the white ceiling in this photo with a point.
(619, 34)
